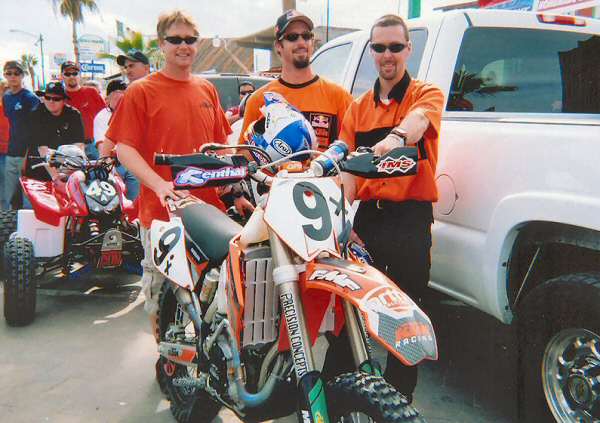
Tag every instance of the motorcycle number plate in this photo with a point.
(167, 240)
(306, 214)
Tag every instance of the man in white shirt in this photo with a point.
(114, 93)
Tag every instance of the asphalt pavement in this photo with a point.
(89, 356)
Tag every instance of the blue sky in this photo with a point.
(226, 18)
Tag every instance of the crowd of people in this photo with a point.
(173, 111)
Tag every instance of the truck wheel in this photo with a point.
(358, 397)
(8, 224)
(559, 340)
(19, 285)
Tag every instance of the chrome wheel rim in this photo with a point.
(571, 376)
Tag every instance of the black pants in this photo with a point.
(398, 236)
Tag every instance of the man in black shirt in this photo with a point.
(54, 124)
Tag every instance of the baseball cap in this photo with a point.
(55, 88)
(68, 65)
(13, 64)
(134, 55)
(115, 85)
(287, 18)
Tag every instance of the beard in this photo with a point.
(389, 75)
(301, 63)
(72, 84)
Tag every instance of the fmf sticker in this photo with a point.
(336, 277)
(390, 165)
(194, 176)
(412, 333)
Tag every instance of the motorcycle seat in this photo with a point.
(210, 229)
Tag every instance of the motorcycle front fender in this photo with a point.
(391, 317)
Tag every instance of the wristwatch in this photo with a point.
(401, 134)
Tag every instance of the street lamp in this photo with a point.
(40, 40)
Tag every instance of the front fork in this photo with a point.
(311, 389)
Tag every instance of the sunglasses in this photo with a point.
(293, 36)
(394, 47)
(13, 73)
(246, 92)
(55, 99)
(176, 40)
(71, 73)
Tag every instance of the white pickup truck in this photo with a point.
(517, 224)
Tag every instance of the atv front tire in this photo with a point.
(19, 285)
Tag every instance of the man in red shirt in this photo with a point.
(85, 99)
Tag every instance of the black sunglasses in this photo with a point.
(394, 47)
(13, 73)
(246, 92)
(55, 99)
(176, 40)
(71, 73)
(293, 36)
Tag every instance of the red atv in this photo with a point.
(81, 217)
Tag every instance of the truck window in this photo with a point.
(367, 74)
(526, 71)
(331, 63)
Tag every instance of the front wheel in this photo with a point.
(19, 285)
(359, 397)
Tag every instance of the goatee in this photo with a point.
(301, 63)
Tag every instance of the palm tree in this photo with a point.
(73, 9)
(136, 41)
(28, 61)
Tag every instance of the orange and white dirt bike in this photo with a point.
(244, 306)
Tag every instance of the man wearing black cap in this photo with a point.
(18, 104)
(135, 63)
(54, 124)
(85, 99)
(321, 101)
(114, 93)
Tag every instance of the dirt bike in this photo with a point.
(242, 308)
(80, 218)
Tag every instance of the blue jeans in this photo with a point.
(91, 151)
(12, 173)
(131, 183)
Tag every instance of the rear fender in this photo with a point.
(391, 317)
(168, 251)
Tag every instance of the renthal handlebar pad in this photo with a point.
(401, 161)
(202, 170)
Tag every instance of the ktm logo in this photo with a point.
(390, 165)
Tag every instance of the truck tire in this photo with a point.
(19, 285)
(369, 396)
(559, 334)
(8, 224)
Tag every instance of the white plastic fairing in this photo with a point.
(47, 240)
(167, 240)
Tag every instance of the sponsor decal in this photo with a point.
(412, 333)
(195, 176)
(319, 417)
(391, 299)
(340, 279)
(296, 345)
(390, 165)
(281, 147)
(319, 121)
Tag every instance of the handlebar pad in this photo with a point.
(402, 161)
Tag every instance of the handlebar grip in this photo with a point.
(163, 159)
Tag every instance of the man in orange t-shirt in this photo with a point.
(169, 111)
(395, 214)
(322, 102)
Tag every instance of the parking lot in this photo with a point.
(89, 356)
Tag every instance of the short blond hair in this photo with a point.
(166, 20)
